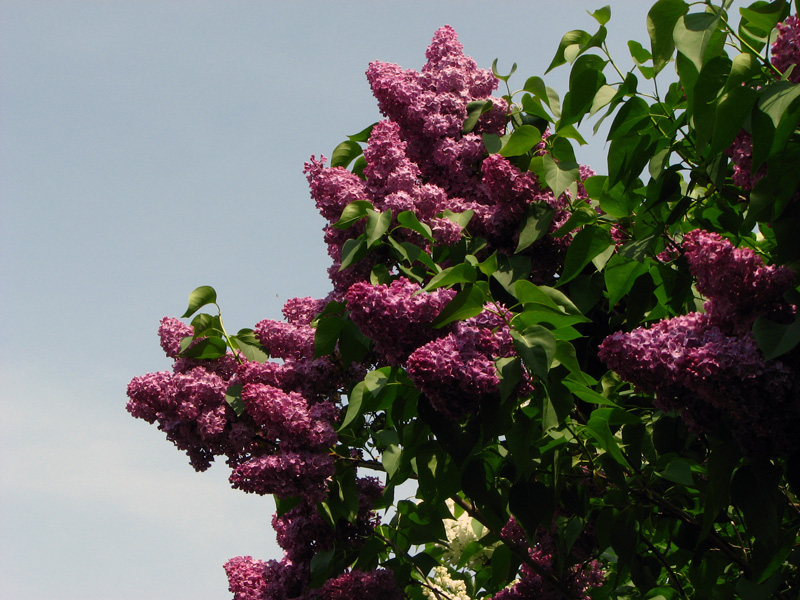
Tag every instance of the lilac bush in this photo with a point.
(588, 382)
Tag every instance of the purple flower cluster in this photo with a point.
(786, 49)
(397, 317)
(280, 444)
(301, 311)
(580, 578)
(708, 366)
(301, 533)
(188, 404)
(741, 153)
(365, 585)
(738, 285)
(286, 340)
(419, 160)
(457, 372)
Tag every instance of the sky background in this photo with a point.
(147, 148)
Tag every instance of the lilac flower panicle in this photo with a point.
(285, 340)
(786, 49)
(708, 366)
(148, 396)
(741, 154)
(301, 532)
(458, 371)
(388, 168)
(251, 579)
(285, 474)
(364, 585)
(286, 416)
(735, 280)
(171, 331)
(397, 316)
(333, 188)
(246, 578)
(301, 311)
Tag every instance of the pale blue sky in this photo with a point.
(147, 148)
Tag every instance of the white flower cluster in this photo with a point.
(460, 533)
(451, 589)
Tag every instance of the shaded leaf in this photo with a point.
(535, 224)
(661, 20)
(536, 347)
(467, 303)
(586, 245)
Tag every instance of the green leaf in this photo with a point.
(251, 351)
(733, 108)
(391, 459)
(467, 303)
(543, 296)
(206, 349)
(199, 298)
(775, 119)
(410, 221)
(602, 98)
(745, 67)
(461, 219)
(565, 355)
(763, 17)
(585, 79)
(205, 324)
(474, 111)
(460, 273)
(363, 135)
(557, 176)
(521, 141)
(355, 211)
(326, 335)
(586, 245)
(378, 223)
(353, 345)
(497, 74)
(585, 393)
(354, 402)
(619, 274)
(536, 347)
(345, 153)
(598, 428)
(535, 224)
(639, 54)
(583, 215)
(536, 86)
(661, 21)
(637, 249)
(679, 471)
(633, 116)
(571, 38)
(233, 396)
(628, 156)
(698, 38)
(711, 80)
(353, 251)
(602, 15)
(493, 143)
(775, 339)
